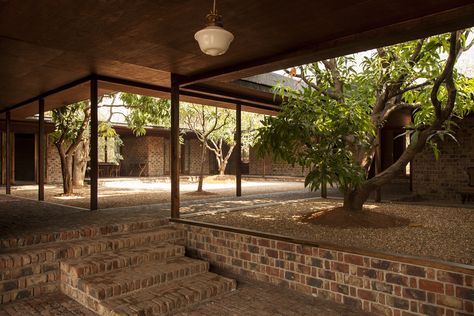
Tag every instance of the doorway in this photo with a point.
(24, 157)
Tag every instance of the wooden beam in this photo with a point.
(238, 153)
(47, 93)
(94, 162)
(378, 163)
(41, 150)
(402, 31)
(8, 154)
(174, 152)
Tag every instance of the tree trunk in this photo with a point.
(80, 163)
(355, 199)
(222, 167)
(66, 169)
(201, 172)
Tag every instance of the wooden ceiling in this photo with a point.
(49, 43)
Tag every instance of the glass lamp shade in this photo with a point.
(214, 40)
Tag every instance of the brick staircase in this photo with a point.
(141, 270)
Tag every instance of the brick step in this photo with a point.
(37, 266)
(90, 290)
(168, 298)
(21, 257)
(84, 232)
(118, 259)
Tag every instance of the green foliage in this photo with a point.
(68, 120)
(312, 131)
(328, 124)
(145, 111)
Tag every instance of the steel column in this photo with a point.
(41, 151)
(94, 163)
(8, 154)
(174, 152)
(238, 153)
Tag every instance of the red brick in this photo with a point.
(367, 295)
(354, 259)
(380, 309)
(431, 286)
(449, 301)
(352, 302)
(469, 280)
(465, 293)
(285, 246)
(398, 302)
(432, 310)
(396, 279)
(363, 272)
(272, 253)
(340, 288)
(340, 267)
(414, 294)
(450, 277)
(415, 271)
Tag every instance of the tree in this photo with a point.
(70, 138)
(329, 125)
(209, 126)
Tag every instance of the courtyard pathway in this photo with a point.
(251, 299)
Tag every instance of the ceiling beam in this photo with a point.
(48, 93)
(445, 21)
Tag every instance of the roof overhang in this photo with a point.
(48, 45)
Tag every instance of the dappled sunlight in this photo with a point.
(259, 216)
(69, 197)
(30, 187)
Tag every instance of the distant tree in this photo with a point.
(329, 125)
(208, 124)
(145, 111)
(71, 140)
(71, 135)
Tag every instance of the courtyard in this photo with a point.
(265, 158)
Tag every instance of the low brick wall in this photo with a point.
(378, 283)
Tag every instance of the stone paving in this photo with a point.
(251, 298)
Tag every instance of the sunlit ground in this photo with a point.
(123, 192)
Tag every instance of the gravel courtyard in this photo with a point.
(436, 232)
(142, 191)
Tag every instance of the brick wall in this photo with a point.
(443, 178)
(195, 157)
(134, 150)
(382, 284)
(156, 157)
(53, 163)
(271, 167)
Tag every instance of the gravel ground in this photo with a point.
(435, 232)
(142, 192)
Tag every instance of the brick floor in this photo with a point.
(20, 217)
(55, 304)
(252, 298)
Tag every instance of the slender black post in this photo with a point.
(41, 152)
(378, 163)
(174, 152)
(238, 153)
(8, 155)
(94, 163)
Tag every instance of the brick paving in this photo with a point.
(19, 217)
(251, 298)
(54, 304)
